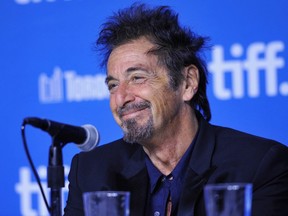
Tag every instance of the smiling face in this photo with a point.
(141, 99)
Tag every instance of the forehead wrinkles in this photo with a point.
(140, 47)
(127, 62)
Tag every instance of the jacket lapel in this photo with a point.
(134, 178)
(198, 173)
(193, 188)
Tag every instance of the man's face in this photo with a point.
(141, 99)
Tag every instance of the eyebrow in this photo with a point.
(128, 71)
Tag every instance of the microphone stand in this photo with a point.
(55, 177)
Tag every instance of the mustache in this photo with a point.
(133, 106)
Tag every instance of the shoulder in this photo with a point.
(228, 144)
(116, 152)
(101, 165)
(240, 156)
(234, 145)
(228, 136)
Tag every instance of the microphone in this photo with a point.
(86, 137)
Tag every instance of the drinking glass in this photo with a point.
(106, 203)
(228, 199)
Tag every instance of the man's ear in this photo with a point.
(191, 82)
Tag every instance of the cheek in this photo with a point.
(160, 103)
(113, 108)
(165, 105)
(160, 96)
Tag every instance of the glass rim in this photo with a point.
(109, 193)
(229, 186)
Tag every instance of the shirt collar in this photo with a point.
(156, 176)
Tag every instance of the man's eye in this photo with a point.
(111, 86)
(138, 79)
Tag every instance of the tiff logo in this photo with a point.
(30, 194)
(72, 87)
(262, 60)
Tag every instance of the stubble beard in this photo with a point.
(134, 131)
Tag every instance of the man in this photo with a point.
(169, 152)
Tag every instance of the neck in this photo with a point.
(166, 150)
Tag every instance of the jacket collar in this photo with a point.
(204, 147)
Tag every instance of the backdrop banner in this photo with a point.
(49, 69)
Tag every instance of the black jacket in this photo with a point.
(220, 155)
